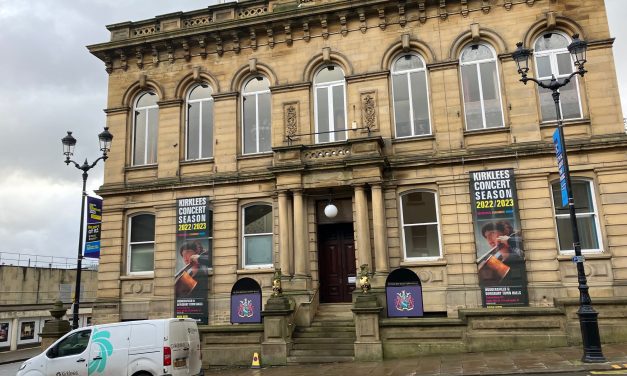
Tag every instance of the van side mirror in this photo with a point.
(53, 352)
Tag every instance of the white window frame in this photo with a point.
(244, 236)
(129, 244)
(477, 63)
(248, 96)
(597, 223)
(200, 131)
(333, 130)
(403, 225)
(135, 111)
(552, 54)
(407, 74)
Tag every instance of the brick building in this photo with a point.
(272, 109)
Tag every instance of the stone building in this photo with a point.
(272, 109)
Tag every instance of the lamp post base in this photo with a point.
(592, 352)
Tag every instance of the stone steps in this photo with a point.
(329, 339)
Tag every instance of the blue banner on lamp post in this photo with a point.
(92, 235)
(559, 153)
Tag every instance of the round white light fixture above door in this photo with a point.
(330, 210)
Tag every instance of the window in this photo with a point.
(73, 344)
(553, 59)
(199, 123)
(481, 88)
(587, 217)
(256, 106)
(330, 105)
(411, 99)
(141, 246)
(421, 229)
(145, 126)
(257, 239)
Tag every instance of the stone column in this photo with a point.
(380, 236)
(364, 255)
(284, 234)
(15, 331)
(368, 346)
(300, 244)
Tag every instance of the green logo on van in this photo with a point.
(100, 338)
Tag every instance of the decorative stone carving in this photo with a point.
(402, 19)
(485, 6)
(306, 35)
(325, 27)
(343, 27)
(442, 10)
(139, 55)
(145, 30)
(328, 153)
(170, 50)
(270, 33)
(253, 39)
(197, 21)
(464, 8)
(369, 109)
(108, 63)
(186, 52)
(508, 5)
(123, 61)
(236, 44)
(253, 11)
(362, 20)
(219, 46)
(202, 43)
(155, 55)
(422, 12)
(291, 120)
(288, 34)
(382, 22)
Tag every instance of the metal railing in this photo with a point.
(40, 261)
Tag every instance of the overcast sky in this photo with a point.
(49, 83)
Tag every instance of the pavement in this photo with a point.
(565, 360)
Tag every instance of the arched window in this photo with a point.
(587, 217)
(141, 243)
(411, 97)
(256, 123)
(145, 127)
(257, 236)
(330, 104)
(481, 88)
(199, 134)
(553, 59)
(421, 227)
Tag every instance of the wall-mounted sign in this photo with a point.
(246, 302)
(498, 239)
(403, 292)
(92, 233)
(193, 258)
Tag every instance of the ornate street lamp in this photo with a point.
(69, 142)
(592, 352)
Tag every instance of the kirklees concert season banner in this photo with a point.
(498, 240)
(94, 220)
(193, 258)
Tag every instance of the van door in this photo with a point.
(181, 348)
(108, 353)
(69, 356)
(145, 352)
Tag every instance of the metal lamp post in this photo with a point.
(69, 142)
(588, 322)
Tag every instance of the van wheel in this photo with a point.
(142, 374)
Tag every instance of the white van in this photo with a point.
(134, 348)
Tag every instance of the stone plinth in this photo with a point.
(368, 346)
(276, 331)
(54, 329)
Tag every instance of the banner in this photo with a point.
(92, 235)
(193, 258)
(498, 239)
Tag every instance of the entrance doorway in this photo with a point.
(336, 262)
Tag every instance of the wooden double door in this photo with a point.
(336, 261)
